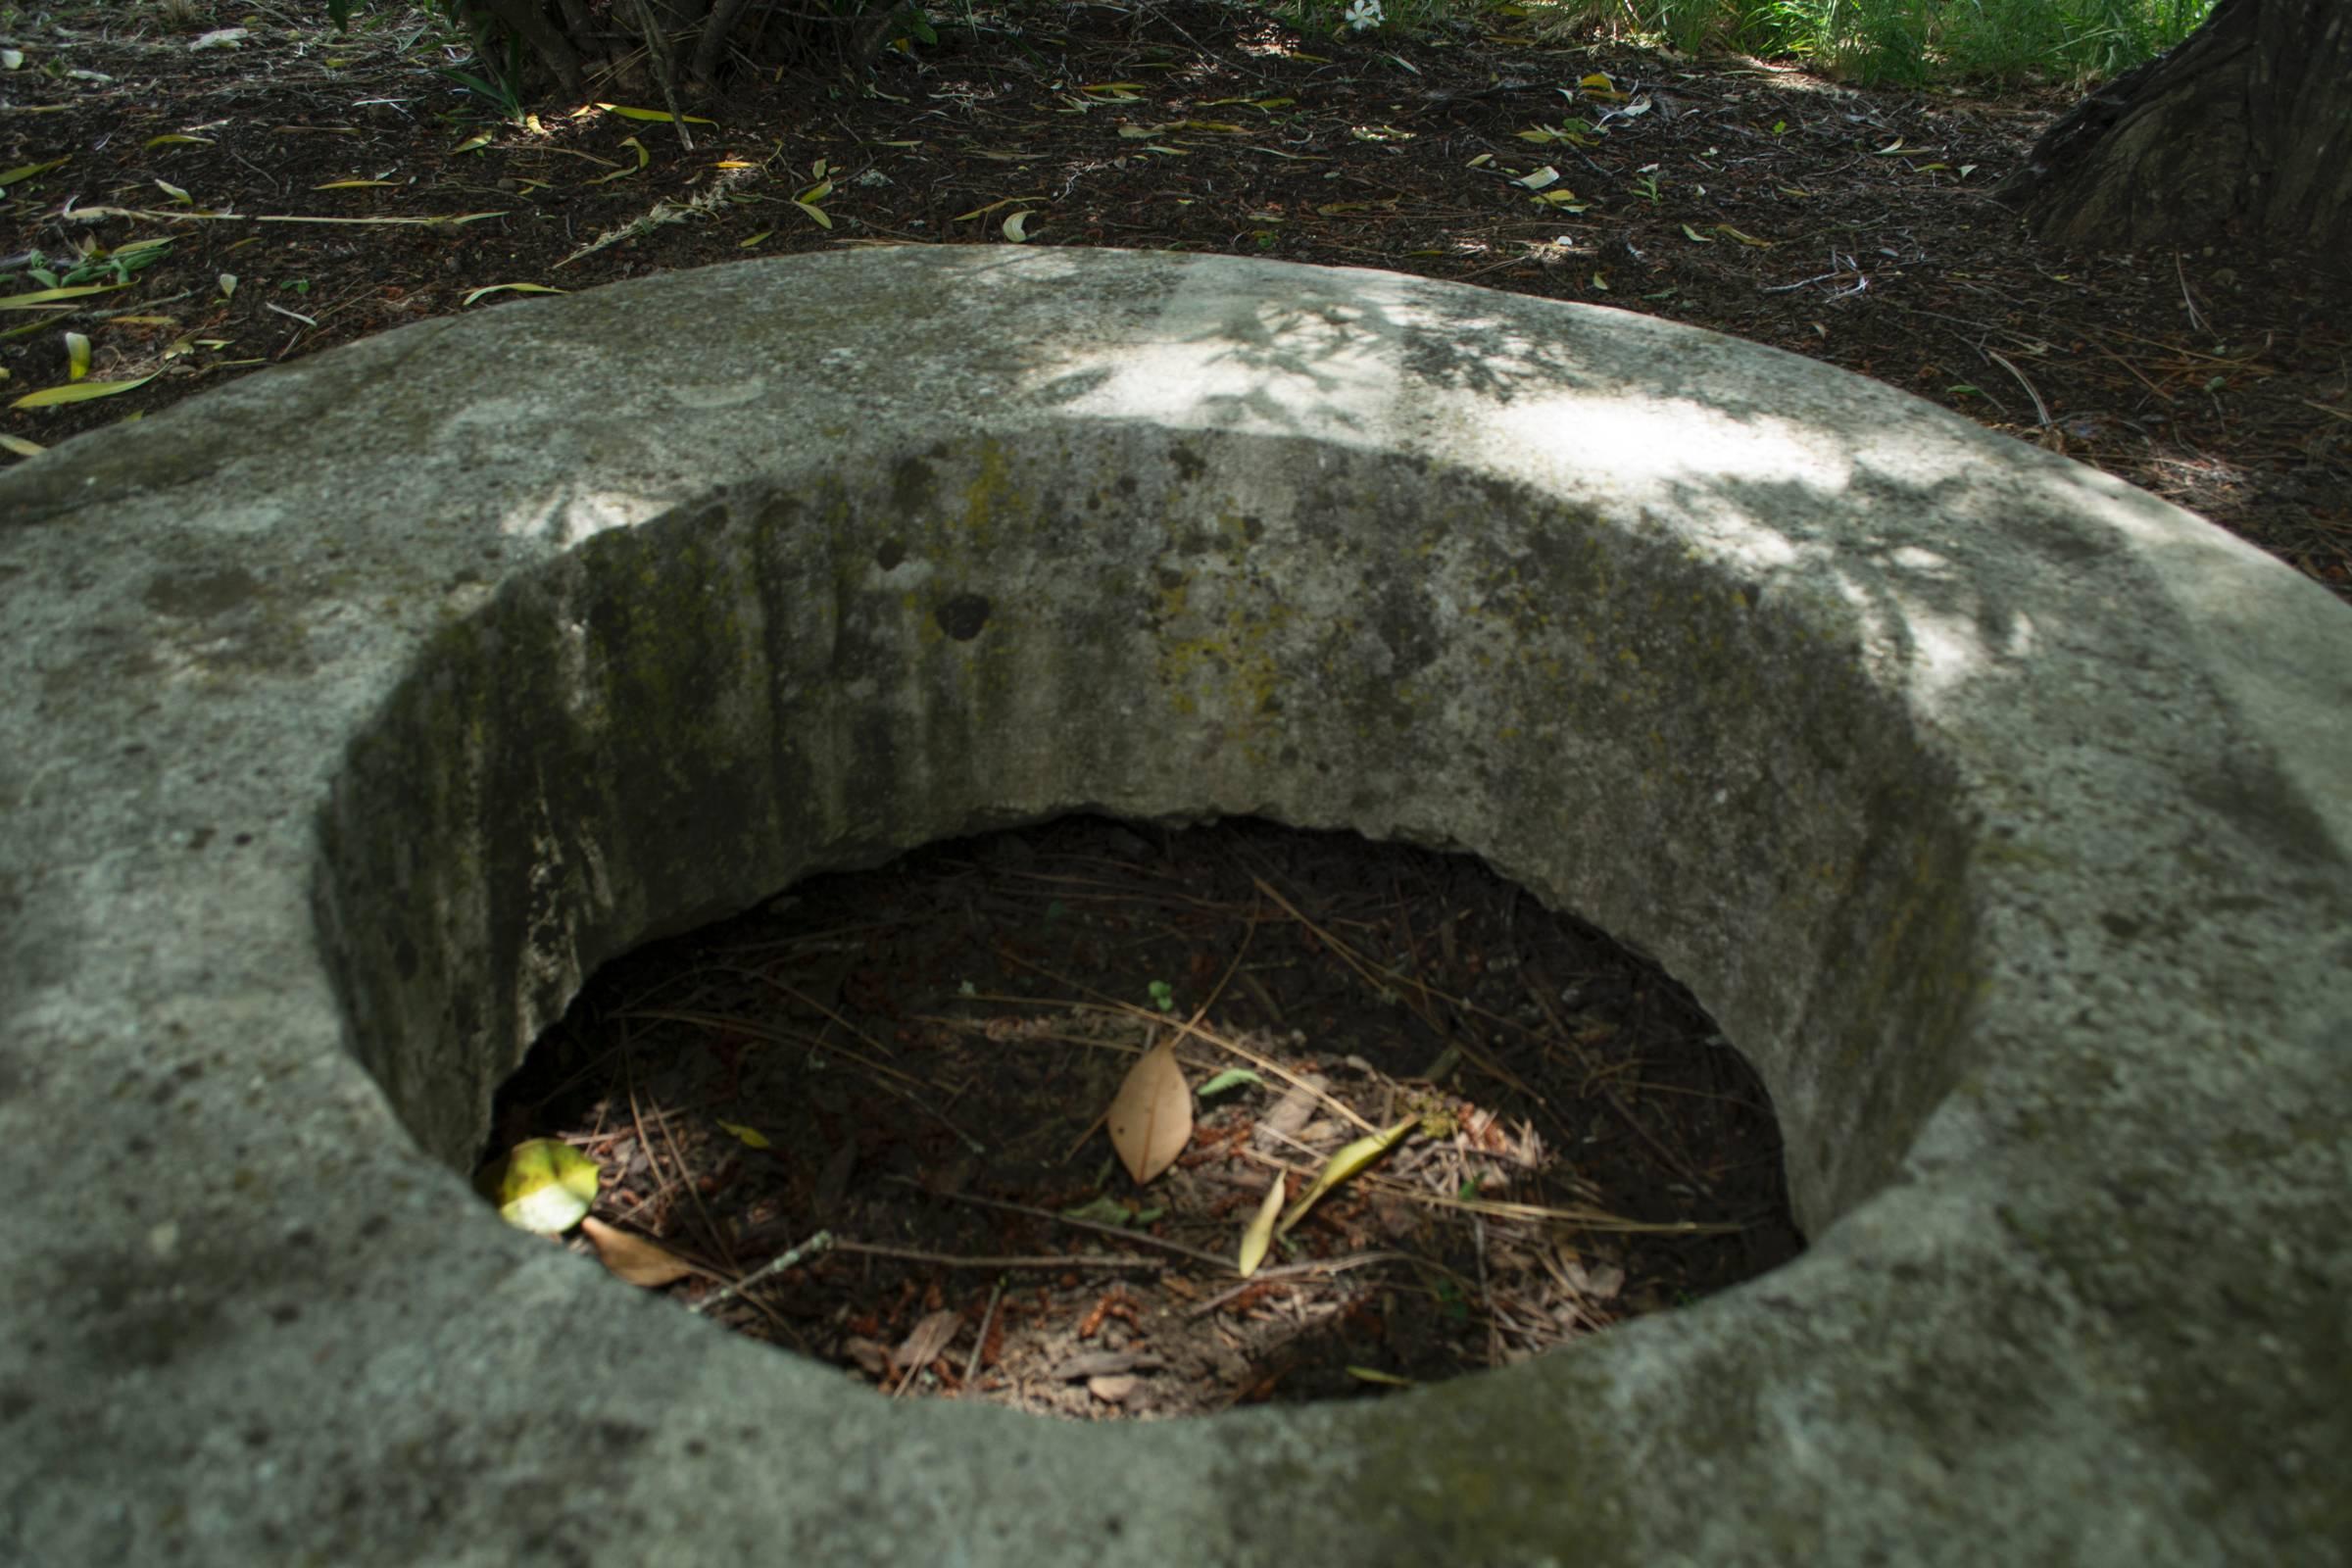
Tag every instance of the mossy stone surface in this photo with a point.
(351, 715)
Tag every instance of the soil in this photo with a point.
(913, 1068)
(912, 1063)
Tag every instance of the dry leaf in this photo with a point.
(1111, 1390)
(1260, 1234)
(633, 1259)
(1151, 1119)
(930, 1337)
(1292, 1111)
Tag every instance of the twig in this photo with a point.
(971, 1368)
(2040, 407)
(913, 1254)
(1540, 989)
(2195, 322)
(1328, 1266)
(1139, 1238)
(821, 1241)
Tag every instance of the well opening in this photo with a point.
(668, 724)
(921, 1064)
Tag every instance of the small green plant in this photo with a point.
(98, 266)
(1647, 187)
(1163, 996)
(1913, 40)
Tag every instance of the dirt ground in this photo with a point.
(914, 1063)
(347, 186)
(918, 1063)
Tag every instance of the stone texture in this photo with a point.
(350, 714)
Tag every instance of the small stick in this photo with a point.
(821, 1241)
(971, 1368)
(2040, 407)
(910, 1254)
(1138, 1237)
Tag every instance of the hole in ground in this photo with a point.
(916, 1062)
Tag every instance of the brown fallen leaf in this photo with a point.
(1151, 1118)
(632, 1257)
(1111, 1390)
(929, 1336)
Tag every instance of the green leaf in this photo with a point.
(1230, 1078)
(10, 177)
(76, 392)
(1105, 1210)
(45, 296)
(749, 1137)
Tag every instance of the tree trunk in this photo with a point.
(2245, 126)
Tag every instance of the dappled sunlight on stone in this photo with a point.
(1997, 814)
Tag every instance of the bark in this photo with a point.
(525, 20)
(2245, 126)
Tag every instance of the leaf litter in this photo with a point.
(1452, 1130)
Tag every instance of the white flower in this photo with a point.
(1362, 14)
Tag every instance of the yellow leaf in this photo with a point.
(474, 143)
(633, 1259)
(78, 356)
(544, 1185)
(749, 1137)
(1152, 1117)
(627, 113)
(179, 141)
(1695, 236)
(1745, 239)
(356, 185)
(76, 392)
(175, 193)
(817, 192)
(1260, 1234)
(747, 244)
(1347, 1162)
(22, 447)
